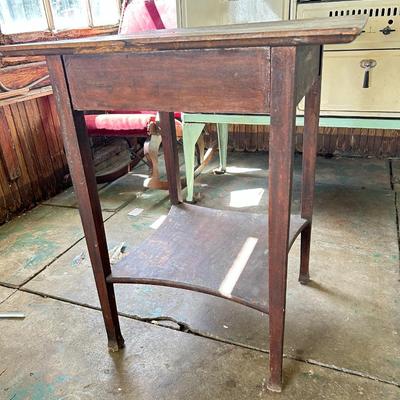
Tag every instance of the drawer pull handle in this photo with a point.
(367, 65)
(387, 31)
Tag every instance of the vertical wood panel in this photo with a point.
(344, 141)
(33, 133)
(23, 181)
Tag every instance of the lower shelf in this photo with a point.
(221, 253)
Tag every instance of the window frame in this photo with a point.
(51, 32)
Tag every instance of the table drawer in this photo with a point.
(223, 80)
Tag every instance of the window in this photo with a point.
(19, 16)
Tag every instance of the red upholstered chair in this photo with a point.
(137, 15)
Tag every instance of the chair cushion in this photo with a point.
(119, 124)
(139, 15)
(147, 15)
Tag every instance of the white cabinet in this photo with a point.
(343, 93)
(222, 12)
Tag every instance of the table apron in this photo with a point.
(217, 80)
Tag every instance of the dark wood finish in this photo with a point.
(168, 132)
(239, 77)
(191, 229)
(279, 33)
(76, 143)
(307, 69)
(289, 63)
(283, 124)
(311, 120)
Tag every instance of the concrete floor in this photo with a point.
(342, 331)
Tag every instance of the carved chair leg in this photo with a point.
(151, 151)
(310, 134)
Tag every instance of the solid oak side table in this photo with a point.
(263, 68)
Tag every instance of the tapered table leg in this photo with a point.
(283, 117)
(76, 143)
(310, 134)
(222, 130)
(168, 133)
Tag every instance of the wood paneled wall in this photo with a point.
(32, 159)
(352, 142)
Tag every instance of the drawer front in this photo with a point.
(384, 15)
(225, 81)
(342, 83)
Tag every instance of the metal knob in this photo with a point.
(387, 31)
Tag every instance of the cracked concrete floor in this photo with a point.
(342, 331)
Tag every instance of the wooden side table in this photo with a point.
(244, 69)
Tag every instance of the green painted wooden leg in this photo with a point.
(191, 133)
(222, 130)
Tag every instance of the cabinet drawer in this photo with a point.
(342, 83)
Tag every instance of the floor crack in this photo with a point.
(185, 328)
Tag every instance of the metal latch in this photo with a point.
(367, 65)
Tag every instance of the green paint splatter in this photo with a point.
(39, 390)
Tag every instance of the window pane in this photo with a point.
(68, 14)
(22, 16)
(104, 12)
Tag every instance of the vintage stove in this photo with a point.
(361, 79)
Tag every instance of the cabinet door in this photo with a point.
(343, 78)
(222, 12)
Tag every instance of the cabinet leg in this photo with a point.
(191, 134)
(311, 123)
(76, 143)
(222, 130)
(283, 116)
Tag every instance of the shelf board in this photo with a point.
(217, 252)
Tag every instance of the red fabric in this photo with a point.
(148, 15)
(154, 14)
(119, 124)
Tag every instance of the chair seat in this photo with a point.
(119, 124)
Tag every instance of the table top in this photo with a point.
(278, 33)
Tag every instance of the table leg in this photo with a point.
(311, 123)
(191, 134)
(168, 133)
(76, 144)
(281, 152)
(222, 130)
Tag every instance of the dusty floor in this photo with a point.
(342, 331)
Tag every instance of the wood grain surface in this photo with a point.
(233, 80)
(278, 33)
